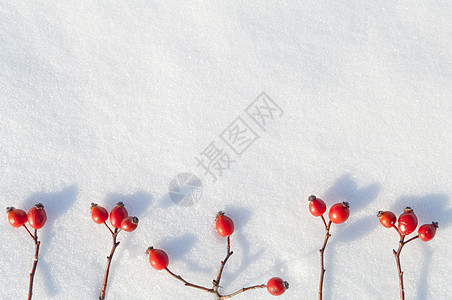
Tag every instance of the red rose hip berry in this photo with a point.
(16, 217)
(37, 216)
(427, 231)
(224, 225)
(387, 218)
(276, 286)
(117, 214)
(129, 224)
(98, 213)
(407, 221)
(339, 212)
(157, 258)
(316, 206)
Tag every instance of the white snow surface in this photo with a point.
(109, 101)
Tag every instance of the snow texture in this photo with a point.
(109, 101)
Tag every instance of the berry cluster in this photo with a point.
(36, 218)
(120, 220)
(338, 213)
(224, 227)
(406, 225)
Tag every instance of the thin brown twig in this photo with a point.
(322, 251)
(399, 268)
(402, 243)
(243, 290)
(35, 261)
(112, 233)
(324, 222)
(216, 282)
(412, 239)
(186, 283)
(29, 232)
(109, 258)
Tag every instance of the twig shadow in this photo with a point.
(56, 204)
(422, 286)
(345, 188)
(241, 217)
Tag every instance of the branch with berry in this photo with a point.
(407, 224)
(224, 227)
(338, 213)
(36, 218)
(120, 220)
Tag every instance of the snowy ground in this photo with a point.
(110, 101)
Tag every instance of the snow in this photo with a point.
(101, 102)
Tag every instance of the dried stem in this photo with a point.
(186, 283)
(29, 232)
(109, 258)
(216, 282)
(402, 243)
(111, 231)
(243, 290)
(35, 261)
(322, 251)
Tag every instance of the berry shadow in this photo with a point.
(56, 204)
(241, 216)
(345, 188)
(428, 208)
(178, 248)
(136, 203)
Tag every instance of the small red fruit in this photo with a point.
(224, 225)
(276, 286)
(16, 217)
(117, 214)
(427, 231)
(157, 258)
(37, 216)
(98, 213)
(387, 218)
(339, 212)
(129, 224)
(316, 206)
(407, 221)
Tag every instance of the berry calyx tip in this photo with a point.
(220, 213)
(39, 206)
(286, 285)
